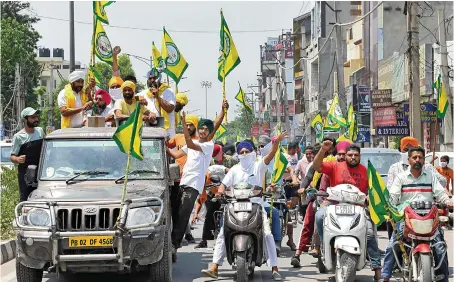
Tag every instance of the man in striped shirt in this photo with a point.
(417, 184)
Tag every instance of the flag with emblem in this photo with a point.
(241, 97)
(279, 167)
(158, 62)
(221, 131)
(128, 135)
(352, 133)
(335, 112)
(99, 11)
(317, 125)
(175, 63)
(92, 73)
(228, 57)
(442, 101)
(101, 44)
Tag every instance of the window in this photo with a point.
(350, 34)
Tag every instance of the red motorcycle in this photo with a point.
(421, 224)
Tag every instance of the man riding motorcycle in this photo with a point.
(417, 184)
(349, 172)
(252, 171)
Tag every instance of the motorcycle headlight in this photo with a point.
(140, 216)
(38, 217)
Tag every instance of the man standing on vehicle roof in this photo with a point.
(26, 148)
(417, 184)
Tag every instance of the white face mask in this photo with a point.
(247, 160)
(443, 164)
(404, 157)
(115, 93)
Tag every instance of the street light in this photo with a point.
(206, 84)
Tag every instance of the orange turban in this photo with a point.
(408, 141)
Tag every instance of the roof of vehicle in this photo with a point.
(101, 133)
(6, 143)
(379, 151)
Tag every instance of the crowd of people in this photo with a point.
(321, 166)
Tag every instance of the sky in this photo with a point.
(200, 49)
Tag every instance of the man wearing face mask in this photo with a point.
(252, 171)
(26, 148)
(447, 172)
(125, 107)
(417, 184)
(74, 100)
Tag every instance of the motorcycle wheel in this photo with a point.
(241, 268)
(283, 223)
(347, 270)
(424, 263)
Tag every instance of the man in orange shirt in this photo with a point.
(447, 172)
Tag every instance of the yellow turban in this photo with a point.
(182, 98)
(192, 119)
(129, 84)
(115, 80)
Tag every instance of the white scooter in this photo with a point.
(344, 233)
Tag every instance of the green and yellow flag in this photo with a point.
(128, 135)
(99, 12)
(442, 101)
(241, 97)
(335, 112)
(352, 133)
(330, 125)
(158, 62)
(317, 125)
(101, 44)
(221, 131)
(379, 207)
(92, 73)
(175, 64)
(350, 114)
(228, 58)
(279, 167)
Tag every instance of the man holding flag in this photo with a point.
(250, 170)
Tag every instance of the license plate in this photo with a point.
(90, 241)
(345, 210)
(242, 207)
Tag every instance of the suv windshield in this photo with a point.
(381, 162)
(63, 159)
(5, 155)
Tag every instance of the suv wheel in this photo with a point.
(161, 271)
(27, 274)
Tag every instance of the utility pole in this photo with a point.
(284, 85)
(72, 48)
(206, 84)
(340, 64)
(260, 115)
(413, 66)
(278, 94)
(447, 122)
(17, 97)
(51, 95)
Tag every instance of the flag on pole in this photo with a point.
(221, 131)
(158, 62)
(128, 135)
(228, 58)
(175, 64)
(101, 44)
(241, 97)
(330, 125)
(317, 125)
(335, 112)
(99, 12)
(442, 101)
(350, 114)
(279, 167)
(352, 133)
(92, 73)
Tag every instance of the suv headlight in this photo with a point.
(141, 216)
(38, 217)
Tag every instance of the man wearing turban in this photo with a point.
(125, 107)
(74, 100)
(198, 156)
(101, 106)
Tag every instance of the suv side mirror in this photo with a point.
(30, 175)
(174, 172)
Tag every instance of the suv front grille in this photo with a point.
(75, 219)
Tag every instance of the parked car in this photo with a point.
(5, 150)
(381, 158)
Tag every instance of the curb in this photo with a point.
(8, 251)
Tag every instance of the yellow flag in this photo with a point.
(442, 101)
(317, 125)
(241, 97)
(221, 131)
(174, 61)
(157, 58)
(228, 58)
(99, 12)
(101, 44)
(127, 135)
(335, 112)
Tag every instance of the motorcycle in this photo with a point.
(421, 221)
(345, 232)
(278, 201)
(243, 230)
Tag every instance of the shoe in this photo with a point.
(174, 255)
(295, 262)
(291, 245)
(210, 273)
(276, 276)
(189, 238)
(202, 245)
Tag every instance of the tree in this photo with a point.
(241, 126)
(44, 116)
(18, 44)
(124, 64)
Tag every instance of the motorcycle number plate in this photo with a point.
(345, 210)
(242, 207)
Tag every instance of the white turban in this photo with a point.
(76, 75)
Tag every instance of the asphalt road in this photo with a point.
(191, 261)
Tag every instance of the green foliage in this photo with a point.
(241, 126)
(105, 70)
(9, 200)
(44, 116)
(18, 44)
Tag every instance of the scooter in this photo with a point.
(345, 232)
(278, 201)
(243, 230)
